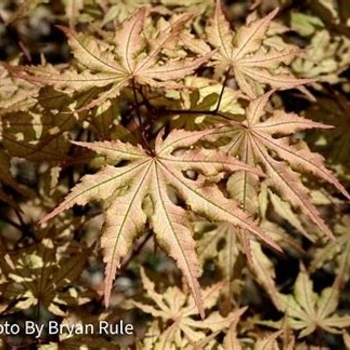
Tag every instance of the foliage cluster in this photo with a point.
(181, 167)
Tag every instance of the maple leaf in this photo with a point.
(338, 251)
(38, 277)
(255, 142)
(223, 243)
(285, 211)
(231, 341)
(306, 311)
(243, 51)
(130, 59)
(204, 98)
(122, 10)
(176, 309)
(332, 110)
(24, 9)
(268, 342)
(6, 178)
(34, 136)
(15, 94)
(150, 187)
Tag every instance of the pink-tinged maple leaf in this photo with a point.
(130, 58)
(244, 53)
(262, 138)
(147, 188)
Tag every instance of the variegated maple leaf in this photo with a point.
(39, 277)
(150, 187)
(176, 310)
(223, 243)
(244, 52)
(130, 58)
(307, 311)
(258, 142)
(338, 251)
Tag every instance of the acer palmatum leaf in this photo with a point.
(231, 341)
(306, 311)
(244, 52)
(279, 158)
(177, 309)
(116, 65)
(149, 177)
(40, 277)
(268, 342)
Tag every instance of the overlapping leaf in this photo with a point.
(24, 9)
(178, 309)
(39, 278)
(333, 110)
(37, 137)
(15, 94)
(223, 243)
(338, 251)
(151, 187)
(279, 158)
(205, 97)
(115, 65)
(244, 52)
(307, 311)
(7, 179)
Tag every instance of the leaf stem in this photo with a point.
(141, 126)
(223, 89)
